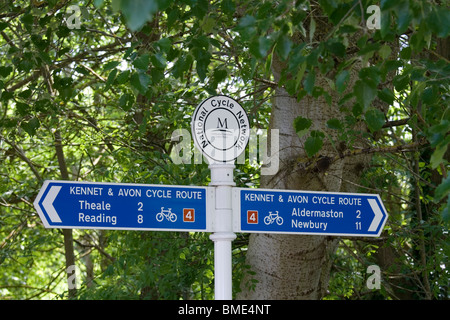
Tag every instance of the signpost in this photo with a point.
(308, 212)
(117, 206)
(221, 131)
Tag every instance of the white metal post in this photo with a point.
(221, 131)
(222, 180)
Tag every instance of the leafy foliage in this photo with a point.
(117, 86)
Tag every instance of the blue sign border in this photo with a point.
(308, 212)
(104, 208)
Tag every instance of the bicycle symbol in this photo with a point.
(272, 217)
(168, 214)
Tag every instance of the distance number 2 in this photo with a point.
(140, 217)
(358, 216)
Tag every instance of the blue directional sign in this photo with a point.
(89, 205)
(308, 212)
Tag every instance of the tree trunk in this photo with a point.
(298, 266)
(68, 236)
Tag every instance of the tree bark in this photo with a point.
(67, 233)
(298, 266)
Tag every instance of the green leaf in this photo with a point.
(369, 48)
(45, 57)
(182, 65)
(126, 101)
(302, 125)
(439, 21)
(337, 48)
(247, 28)
(5, 71)
(284, 45)
(446, 212)
(3, 26)
(438, 155)
(370, 75)
(317, 133)
(313, 56)
(219, 75)
(403, 16)
(260, 47)
(203, 58)
(386, 95)
(156, 75)
(158, 60)
(123, 77)
(430, 95)
(22, 108)
(388, 4)
(27, 19)
(25, 94)
(64, 86)
(385, 52)
(365, 93)
(299, 76)
(437, 134)
(268, 64)
(442, 190)
(142, 62)
(401, 82)
(309, 81)
(312, 29)
(313, 145)
(138, 12)
(208, 24)
(375, 119)
(98, 3)
(31, 126)
(247, 21)
(140, 81)
(164, 44)
(385, 23)
(111, 78)
(357, 110)
(200, 8)
(341, 80)
(110, 65)
(228, 7)
(406, 53)
(334, 124)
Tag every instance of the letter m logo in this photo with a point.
(221, 124)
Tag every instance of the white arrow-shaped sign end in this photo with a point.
(378, 215)
(48, 204)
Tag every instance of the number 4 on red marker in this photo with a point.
(252, 216)
(188, 215)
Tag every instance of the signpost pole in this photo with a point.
(221, 131)
(223, 182)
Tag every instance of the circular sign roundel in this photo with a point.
(220, 128)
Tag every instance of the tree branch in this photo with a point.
(22, 156)
(61, 64)
(396, 123)
(322, 163)
(388, 149)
